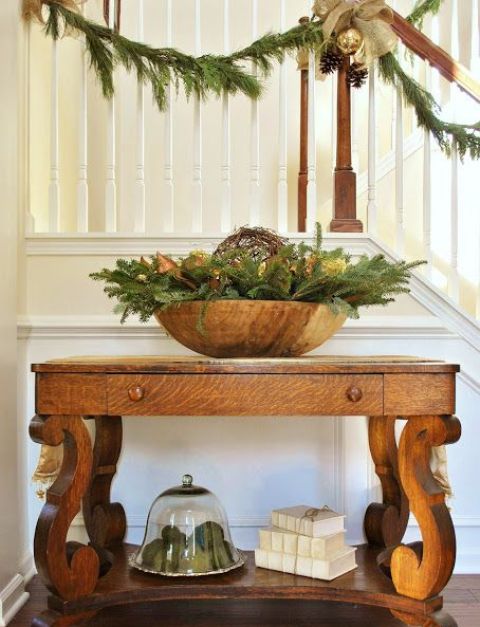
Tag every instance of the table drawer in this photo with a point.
(244, 394)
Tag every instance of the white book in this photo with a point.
(274, 539)
(308, 521)
(330, 569)
(282, 562)
(340, 564)
(322, 548)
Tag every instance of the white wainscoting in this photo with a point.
(256, 464)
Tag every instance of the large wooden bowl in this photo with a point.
(251, 328)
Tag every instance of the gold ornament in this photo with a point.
(371, 18)
(332, 267)
(349, 41)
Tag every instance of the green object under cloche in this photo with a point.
(187, 534)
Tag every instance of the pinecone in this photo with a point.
(357, 75)
(331, 61)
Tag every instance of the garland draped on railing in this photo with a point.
(422, 9)
(218, 74)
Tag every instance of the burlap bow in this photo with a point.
(373, 18)
(32, 9)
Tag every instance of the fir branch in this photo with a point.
(201, 76)
(421, 9)
(445, 133)
(296, 273)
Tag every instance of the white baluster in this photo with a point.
(333, 109)
(254, 218)
(427, 187)
(197, 205)
(454, 283)
(282, 187)
(54, 186)
(355, 149)
(29, 217)
(82, 185)
(312, 148)
(372, 154)
(399, 177)
(111, 184)
(475, 38)
(226, 211)
(139, 220)
(168, 214)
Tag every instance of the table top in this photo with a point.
(374, 364)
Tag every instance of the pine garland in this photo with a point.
(465, 137)
(220, 73)
(159, 66)
(293, 273)
(421, 9)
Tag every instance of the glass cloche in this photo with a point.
(187, 534)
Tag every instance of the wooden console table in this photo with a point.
(407, 579)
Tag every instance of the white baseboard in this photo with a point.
(27, 567)
(12, 598)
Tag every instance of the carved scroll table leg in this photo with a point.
(105, 521)
(385, 523)
(69, 570)
(423, 576)
(437, 619)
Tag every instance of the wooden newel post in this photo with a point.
(303, 170)
(303, 66)
(345, 179)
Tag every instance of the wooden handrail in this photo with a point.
(424, 47)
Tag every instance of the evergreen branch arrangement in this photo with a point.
(254, 272)
(465, 137)
(202, 75)
(423, 8)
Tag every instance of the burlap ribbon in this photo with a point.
(373, 18)
(48, 468)
(32, 9)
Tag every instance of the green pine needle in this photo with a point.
(446, 134)
(299, 273)
(201, 76)
(423, 8)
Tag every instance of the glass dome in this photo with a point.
(187, 534)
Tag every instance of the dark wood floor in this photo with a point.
(462, 601)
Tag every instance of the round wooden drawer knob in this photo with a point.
(136, 393)
(354, 394)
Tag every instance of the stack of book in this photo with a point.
(306, 541)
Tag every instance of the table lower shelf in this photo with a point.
(123, 585)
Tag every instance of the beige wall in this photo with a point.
(11, 522)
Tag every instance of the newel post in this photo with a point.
(345, 180)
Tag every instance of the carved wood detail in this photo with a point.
(70, 570)
(385, 523)
(105, 521)
(414, 576)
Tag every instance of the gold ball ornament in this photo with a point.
(349, 41)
